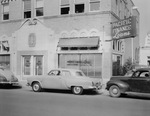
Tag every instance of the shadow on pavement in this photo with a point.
(10, 87)
(133, 96)
(69, 92)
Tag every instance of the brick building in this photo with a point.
(38, 35)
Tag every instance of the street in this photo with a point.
(24, 102)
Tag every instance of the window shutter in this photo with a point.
(27, 5)
(6, 8)
(64, 2)
(39, 3)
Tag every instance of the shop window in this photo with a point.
(65, 7)
(117, 63)
(79, 8)
(94, 5)
(90, 64)
(4, 46)
(6, 11)
(39, 8)
(5, 61)
(32, 65)
(27, 8)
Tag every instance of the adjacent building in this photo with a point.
(39, 35)
(145, 52)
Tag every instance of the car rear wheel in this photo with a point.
(77, 90)
(36, 87)
(114, 91)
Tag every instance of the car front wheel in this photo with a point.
(77, 90)
(36, 87)
(114, 91)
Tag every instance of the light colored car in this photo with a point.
(7, 77)
(64, 79)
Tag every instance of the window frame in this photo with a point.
(95, 1)
(78, 5)
(66, 5)
(5, 13)
(41, 8)
(25, 11)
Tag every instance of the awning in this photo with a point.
(6, 1)
(79, 42)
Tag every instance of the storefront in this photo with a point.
(5, 52)
(81, 53)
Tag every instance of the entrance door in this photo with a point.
(32, 65)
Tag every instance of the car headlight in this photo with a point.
(13, 78)
(2, 78)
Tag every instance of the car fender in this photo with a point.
(36, 81)
(75, 82)
(122, 85)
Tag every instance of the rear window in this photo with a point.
(78, 73)
(66, 73)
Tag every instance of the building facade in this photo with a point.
(39, 35)
(145, 52)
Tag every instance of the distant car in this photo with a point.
(7, 77)
(64, 79)
(137, 81)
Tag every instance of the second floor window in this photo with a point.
(94, 5)
(39, 7)
(65, 7)
(27, 8)
(79, 8)
(6, 12)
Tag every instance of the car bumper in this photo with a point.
(95, 87)
(10, 83)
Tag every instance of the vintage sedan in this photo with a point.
(7, 77)
(136, 81)
(64, 79)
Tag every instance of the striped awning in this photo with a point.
(6, 1)
(79, 42)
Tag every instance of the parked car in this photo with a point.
(64, 79)
(7, 77)
(137, 81)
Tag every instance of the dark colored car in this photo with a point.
(138, 81)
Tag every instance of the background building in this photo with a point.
(145, 52)
(37, 35)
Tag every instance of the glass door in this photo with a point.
(26, 65)
(38, 65)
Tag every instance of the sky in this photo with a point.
(144, 9)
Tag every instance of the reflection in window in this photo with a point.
(79, 8)
(65, 7)
(39, 8)
(4, 46)
(94, 5)
(38, 65)
(90, 64)
(27, 8)
(5, 61)
(6, 12)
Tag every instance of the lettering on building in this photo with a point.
(124, 29)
